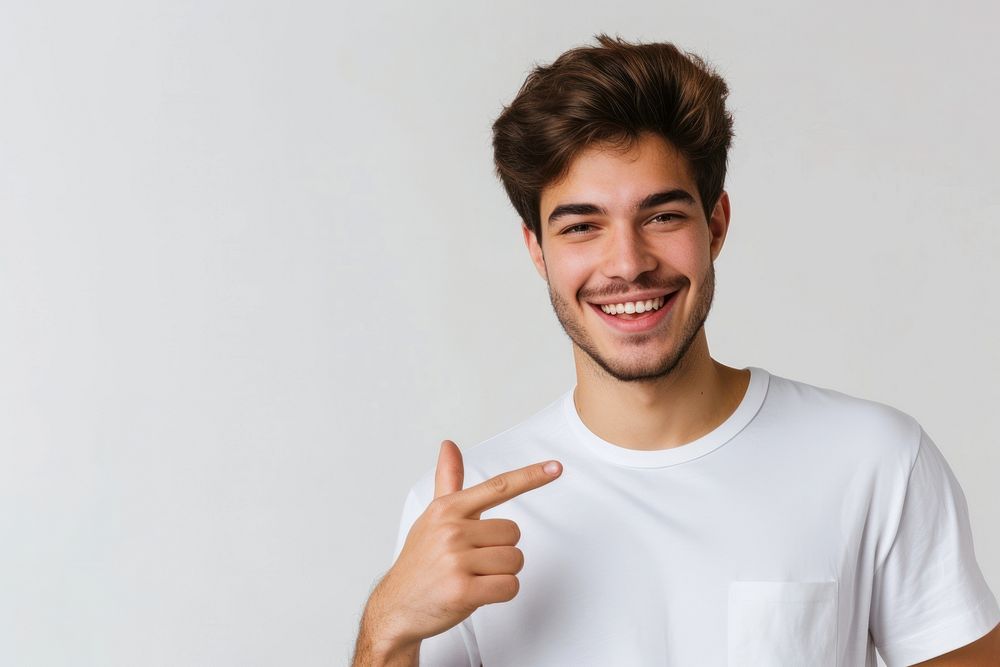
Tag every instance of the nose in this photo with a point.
(628, 254)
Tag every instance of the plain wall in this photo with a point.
(255, 266)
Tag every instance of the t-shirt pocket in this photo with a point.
(782, 623)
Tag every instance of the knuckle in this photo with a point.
(450, 534)
(498, 484)
(452, 562)
(438, 507)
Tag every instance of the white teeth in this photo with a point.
(634, 306)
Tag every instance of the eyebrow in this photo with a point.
(655, 199)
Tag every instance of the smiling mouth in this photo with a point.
(634, 310)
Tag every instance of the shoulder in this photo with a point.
(859, 426)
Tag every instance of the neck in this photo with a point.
(692, 400)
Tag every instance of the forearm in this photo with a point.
(369, 652)
(376, 647)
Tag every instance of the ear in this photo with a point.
(535, 250)
(718, 226)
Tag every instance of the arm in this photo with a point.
(980, 653)
(371, 649)
(367, 654)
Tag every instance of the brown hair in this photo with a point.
(611, 93)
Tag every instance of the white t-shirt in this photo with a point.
(807, 529)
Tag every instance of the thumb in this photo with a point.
(450, 470)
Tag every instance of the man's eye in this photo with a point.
(569, 230)
(667, 217)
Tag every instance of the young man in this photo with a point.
(669, 509)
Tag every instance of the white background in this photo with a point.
(254, 266)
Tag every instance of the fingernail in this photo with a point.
(552, 468)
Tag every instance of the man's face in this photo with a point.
(625, 227)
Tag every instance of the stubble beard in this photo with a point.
(643, 370)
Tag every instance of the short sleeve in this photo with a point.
(929, 595)
(457, 646)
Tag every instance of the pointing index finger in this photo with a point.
(476, 499)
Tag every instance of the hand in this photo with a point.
(453, 562)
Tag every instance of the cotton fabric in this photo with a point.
(809, 528)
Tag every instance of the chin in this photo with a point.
(637, 370)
